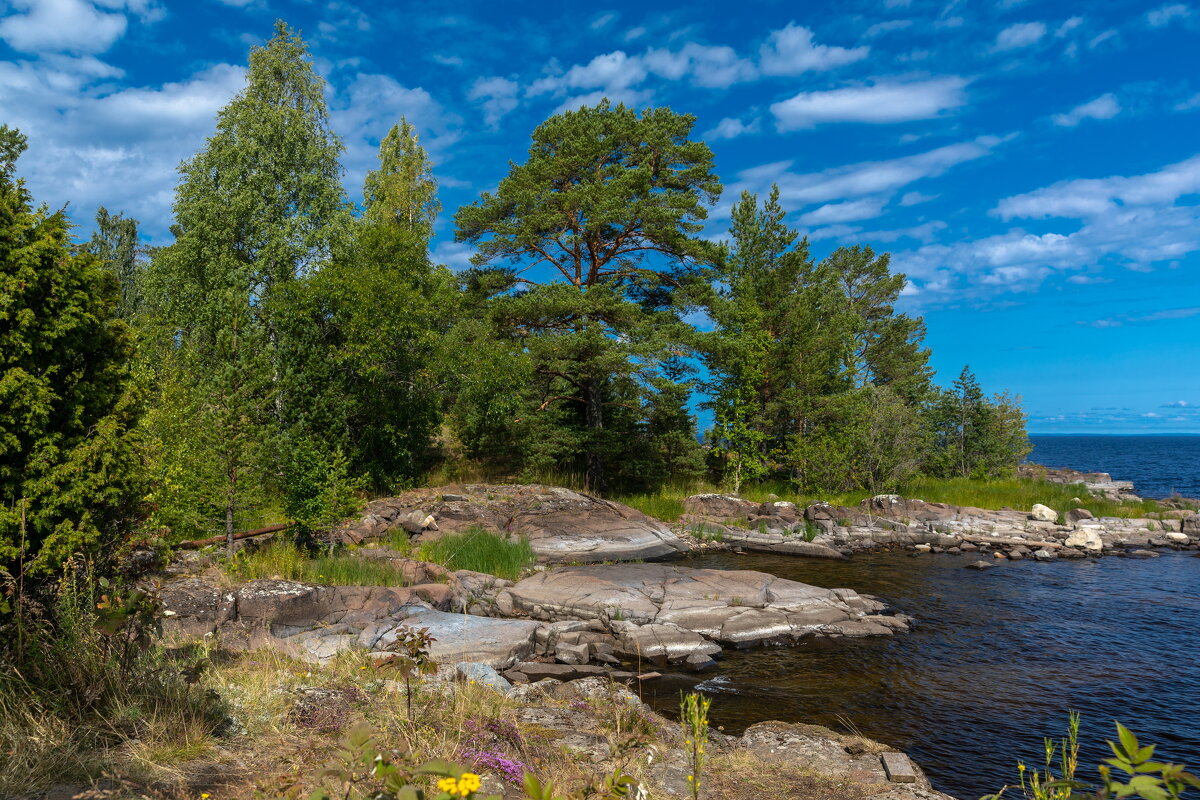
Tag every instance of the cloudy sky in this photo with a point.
(1034, 167)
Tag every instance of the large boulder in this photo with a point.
(560, 524)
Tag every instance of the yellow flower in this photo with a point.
(468, 782)
(448, 785)
(204, 796)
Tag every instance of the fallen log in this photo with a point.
(196, 544)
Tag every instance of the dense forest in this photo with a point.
(292, 349)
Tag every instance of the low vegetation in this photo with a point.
(284, 560)
(1016, 493)
(480, 550)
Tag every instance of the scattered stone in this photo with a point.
(1043, 554)
(1181, 538)
(898, 768)
(1087, 538)
(1077, 515)
(1043, 513)
(1141, 554)
(981, 565)
(572, 653)
(1068, 552)
(483, 675)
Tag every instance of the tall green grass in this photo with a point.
(284, 560)
(480, 550)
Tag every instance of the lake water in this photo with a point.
(1158, 465)
(996, 661)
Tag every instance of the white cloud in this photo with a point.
(850, 211)
(863, 179)
(71, 26)
(1067, 26)
(1103, 107)
(916, 198)
(1178, 404)
(883, 102)
(710, 66)
(91, 146)
(1022, 34)
(1167, 14)
(1101, 197)
(619, 76)
(499, 96)
(1133, 221)
(887, 27)
(603, 21)
(731, 128)
(791, 51)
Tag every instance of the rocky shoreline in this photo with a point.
(588, 613)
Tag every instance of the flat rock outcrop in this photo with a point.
(316, 622)
(670, 612)
(560, 524)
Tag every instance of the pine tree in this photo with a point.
(602, 191)
(68, 452)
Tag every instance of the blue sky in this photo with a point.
(1034, 167)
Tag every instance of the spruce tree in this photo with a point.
(115, 243)
(68, 452)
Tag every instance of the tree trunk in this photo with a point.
(229, 503)
(594, 413)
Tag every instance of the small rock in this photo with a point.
(1086, 538)
(1178, 537)
(924, 548)
(700, 662)
(1043, 513)
(1077, 514)
(981, 565)
(1142, 554)
(1016, 556)
(967, 547)
(1069, 552)
(898, 768)
(482, 674)
(1043, 555)
(998, 554)
(572, 653)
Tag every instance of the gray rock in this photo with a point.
(1077, 515)
(483, 675)
(1043, 513)
(1087, 538)
(1043, 554)
(572, 653)
(1141, 554)
(981, 565)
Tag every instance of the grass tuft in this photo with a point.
(480, 550)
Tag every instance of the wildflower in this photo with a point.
(468, 782)
(204, 796)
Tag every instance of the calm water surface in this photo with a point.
(996, 661)
(1158, 465)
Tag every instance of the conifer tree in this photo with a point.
(68, 454)
(586, 237)
(115, 243)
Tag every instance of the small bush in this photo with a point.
(480, 551)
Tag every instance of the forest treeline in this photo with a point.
(292, 347)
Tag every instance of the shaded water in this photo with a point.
(994, 664)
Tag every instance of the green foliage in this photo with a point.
(740, 443)
(318, 489)
(69, 460)
(1149, 780)
(693, 715)
(602, 190)
(115, 243)
(257, 209)
(409, 657)
(81, 679)
(285, 560)
(975, 436)
(480, 550)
